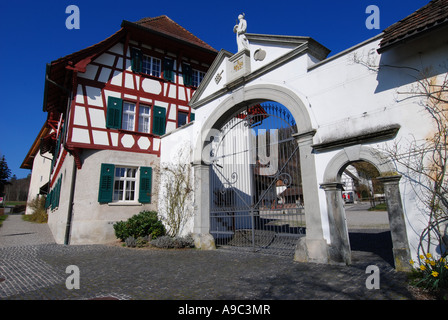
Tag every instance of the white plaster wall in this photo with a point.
(344, 98)
(176, 147)
(39, 176)
(57, 218)
(92, 222)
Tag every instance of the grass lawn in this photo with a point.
(15, 203)
(2, 218)
(379, 207)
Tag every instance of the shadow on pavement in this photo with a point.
(378, 242)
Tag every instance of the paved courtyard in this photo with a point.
(33, 267)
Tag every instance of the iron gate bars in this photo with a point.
(255, 182)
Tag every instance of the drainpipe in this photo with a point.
(70, 205)
(64, 133)
(68, 226)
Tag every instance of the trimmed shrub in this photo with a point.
(130, 242)
(144, 224)
(167, 242)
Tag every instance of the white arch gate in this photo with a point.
(312, 247)
(256, 196)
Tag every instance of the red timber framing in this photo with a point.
(78, 87)
(109, 73)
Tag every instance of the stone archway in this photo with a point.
(339, 250)
(314, 246)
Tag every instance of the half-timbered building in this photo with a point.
(108, 105)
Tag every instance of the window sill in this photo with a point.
(161, 78)
(146, 134)
(126, 204)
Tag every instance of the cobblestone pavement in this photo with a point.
(37, 271)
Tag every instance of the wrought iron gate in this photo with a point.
(255, 182)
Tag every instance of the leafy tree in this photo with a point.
(5, 173)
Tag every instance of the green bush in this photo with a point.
(146, 223)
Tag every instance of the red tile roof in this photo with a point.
(433, 15)
(161, 25)
(164, 24)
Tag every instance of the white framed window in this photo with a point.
(197, 77)
(128, 116)
(144, 119)
(124, 184)
(151, 66)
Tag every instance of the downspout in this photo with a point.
(74, 171)
(68, 226)
(70, 206)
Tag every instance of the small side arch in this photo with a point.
(340, 161)
(339, 250)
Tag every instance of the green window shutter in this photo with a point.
(47, 201)
(187, 74)
(136, 60)
(55, 196)
(51, 199)
(168, 67)
(191, 116)
(114, 110)
(58, 145)
(144, 195)
(58, 191)
(159, 118)
(106, 186)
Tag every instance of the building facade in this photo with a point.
(109, 105)
(39, 162)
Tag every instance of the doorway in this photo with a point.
(341, 244)
(256, 196)
(366, 213)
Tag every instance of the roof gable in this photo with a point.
(217, 67)
(279, 51)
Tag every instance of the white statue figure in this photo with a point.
(240, 30)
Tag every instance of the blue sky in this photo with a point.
(34, 33)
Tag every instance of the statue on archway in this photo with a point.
(240, 30)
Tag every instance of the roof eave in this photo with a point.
(29, 159)
(412, 36)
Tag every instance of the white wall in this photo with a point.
(39, 176)
(344, 98)
(176, 148)
(92, 222)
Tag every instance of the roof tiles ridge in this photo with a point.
(149, 19)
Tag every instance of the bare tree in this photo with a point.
(177, 186)
(423, 162)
